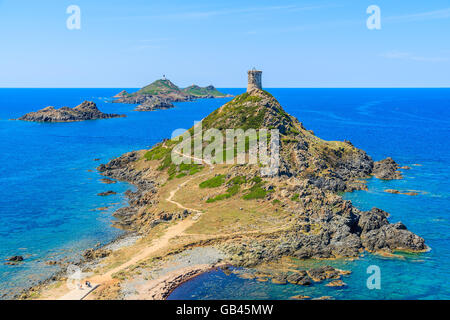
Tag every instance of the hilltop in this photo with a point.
(166, 92)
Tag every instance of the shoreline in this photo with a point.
(161, 288)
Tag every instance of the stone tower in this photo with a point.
(254, 80)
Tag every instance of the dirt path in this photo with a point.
(158, 244)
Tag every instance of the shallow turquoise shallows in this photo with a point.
(49, 186)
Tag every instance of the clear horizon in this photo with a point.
(297, 44)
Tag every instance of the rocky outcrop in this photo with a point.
(336, 230)
(408, 193)
(94, 254)
(85, 111)
(154, 103)
(387, 169)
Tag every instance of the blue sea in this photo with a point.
(49, 185)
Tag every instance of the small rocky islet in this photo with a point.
(85, 111)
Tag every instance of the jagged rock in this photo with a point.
(372, 220)
(85, 111)
(323, 273)
(154, 103)
(300, 278)
(93, 254)
(387, 169)
(391, 237)
(15, 258)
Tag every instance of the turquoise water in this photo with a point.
(48, 194)
(48, 181)
(412, 126)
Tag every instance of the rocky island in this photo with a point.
(161, 93)
(85, 111)
(199, 216)
(154, 103)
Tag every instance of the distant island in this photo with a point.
(161, 93)
(86, 111)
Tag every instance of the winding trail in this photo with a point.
(158, 244)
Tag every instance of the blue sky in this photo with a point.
(313, 43)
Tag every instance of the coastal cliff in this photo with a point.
(85, 111)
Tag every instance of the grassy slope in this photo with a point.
(158, 87)
(203, 91)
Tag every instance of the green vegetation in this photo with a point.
(295, 197)
(162, 152)
(214, 182)
(183, 170)
(256, 191)
(256, 180)
(238, 180)
(203, 91)
(157, 153)
(276, 201)
(233, 189)
(159, 87)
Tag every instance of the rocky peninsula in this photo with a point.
(194, 217)
(85, 111)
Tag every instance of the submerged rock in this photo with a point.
(14, 260)
(108, 181)
(107, 193)
(336, 283)
(300, 297)
(408, 193)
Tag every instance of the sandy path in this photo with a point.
(156, 245)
